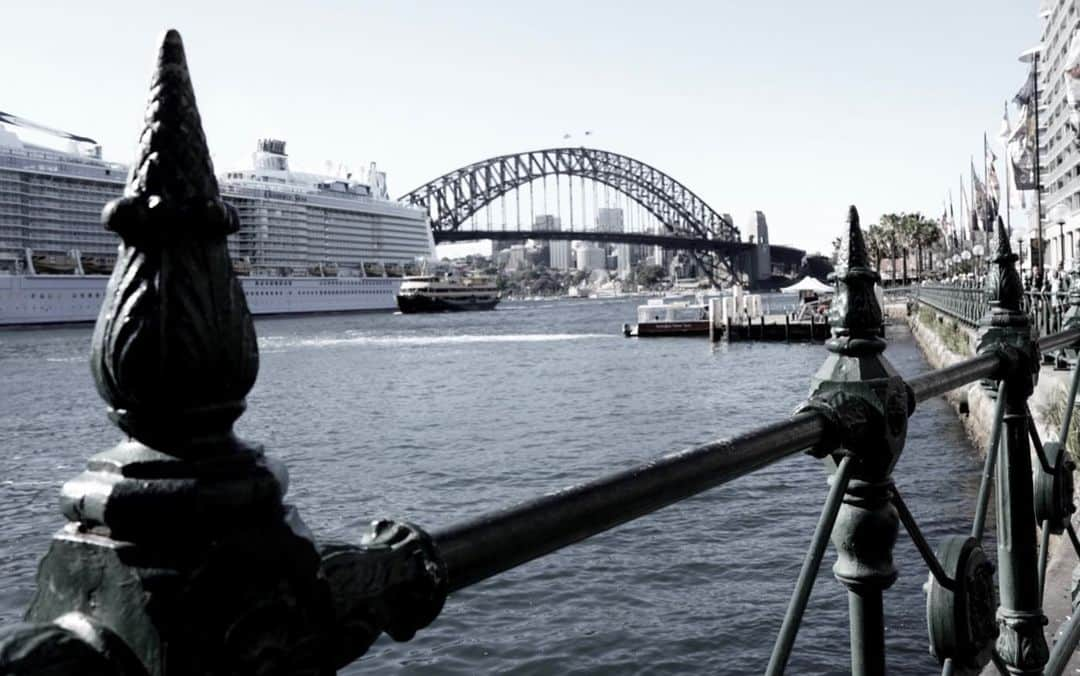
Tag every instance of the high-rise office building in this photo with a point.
(558, 249)
(610, 219)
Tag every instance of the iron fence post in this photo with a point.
(1006, 330)
(867, 404)
(180, 555)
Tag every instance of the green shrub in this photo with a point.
(951, 333)
(1054, 413)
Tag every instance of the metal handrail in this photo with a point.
(492, 543)
(967, 304)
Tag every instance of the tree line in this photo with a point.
(901, 234)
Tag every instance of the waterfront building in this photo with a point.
(1059, 155)
(590, 257)
(517, 258)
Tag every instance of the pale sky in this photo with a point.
(796, 108)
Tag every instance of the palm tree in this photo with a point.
(927, 234)
(897, 237)
(875, 244)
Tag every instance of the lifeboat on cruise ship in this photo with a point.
(53, 264)
(97, 265)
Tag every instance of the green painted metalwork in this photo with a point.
(966, 303)
(181, 556)
(1005, 329)
(867, 405)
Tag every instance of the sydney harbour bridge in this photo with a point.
(564, 194)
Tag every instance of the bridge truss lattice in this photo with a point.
(453, 197)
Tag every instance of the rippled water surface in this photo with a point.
(435, 418)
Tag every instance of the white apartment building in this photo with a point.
(1059, 157)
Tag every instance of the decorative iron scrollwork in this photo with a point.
(862, 396)
(1054, 490)
(393, 582)
(961, 620)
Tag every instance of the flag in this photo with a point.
(968, 224)
(1006, 127)
(980, 201)
(1024, 96)
(1021, 150)
(952, 222)
(992, 185)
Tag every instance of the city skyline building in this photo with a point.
(558, 250)
(610, 219)
(590, 257)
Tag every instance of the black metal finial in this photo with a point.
(855, 315)
(174, 350)
(1004, 289)
(172, 166)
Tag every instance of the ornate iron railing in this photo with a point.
(180, 556)
(966, 303)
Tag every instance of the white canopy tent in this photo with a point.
(808, 284)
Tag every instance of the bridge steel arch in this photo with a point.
(453, 197)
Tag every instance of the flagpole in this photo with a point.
(986, 182)
(964, 221)
(952, 222)
(1005, 154)
(1038, 173)
(973, 205)
(1008, 192)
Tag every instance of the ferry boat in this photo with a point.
(306, 243)
(671, 318)
(447, 292)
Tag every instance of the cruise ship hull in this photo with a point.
(415, 303)
(60, 299)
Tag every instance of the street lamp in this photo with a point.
(978, 251)
(1058, 214)
(1021, 234)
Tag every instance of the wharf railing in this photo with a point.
(966, 303)
(180, 555)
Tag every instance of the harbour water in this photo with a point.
(433, 418)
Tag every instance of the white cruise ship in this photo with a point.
(307, 243)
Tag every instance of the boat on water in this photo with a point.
(449, 291)
(660, 317)
(306, 243)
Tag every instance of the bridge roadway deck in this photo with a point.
(666, 241)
